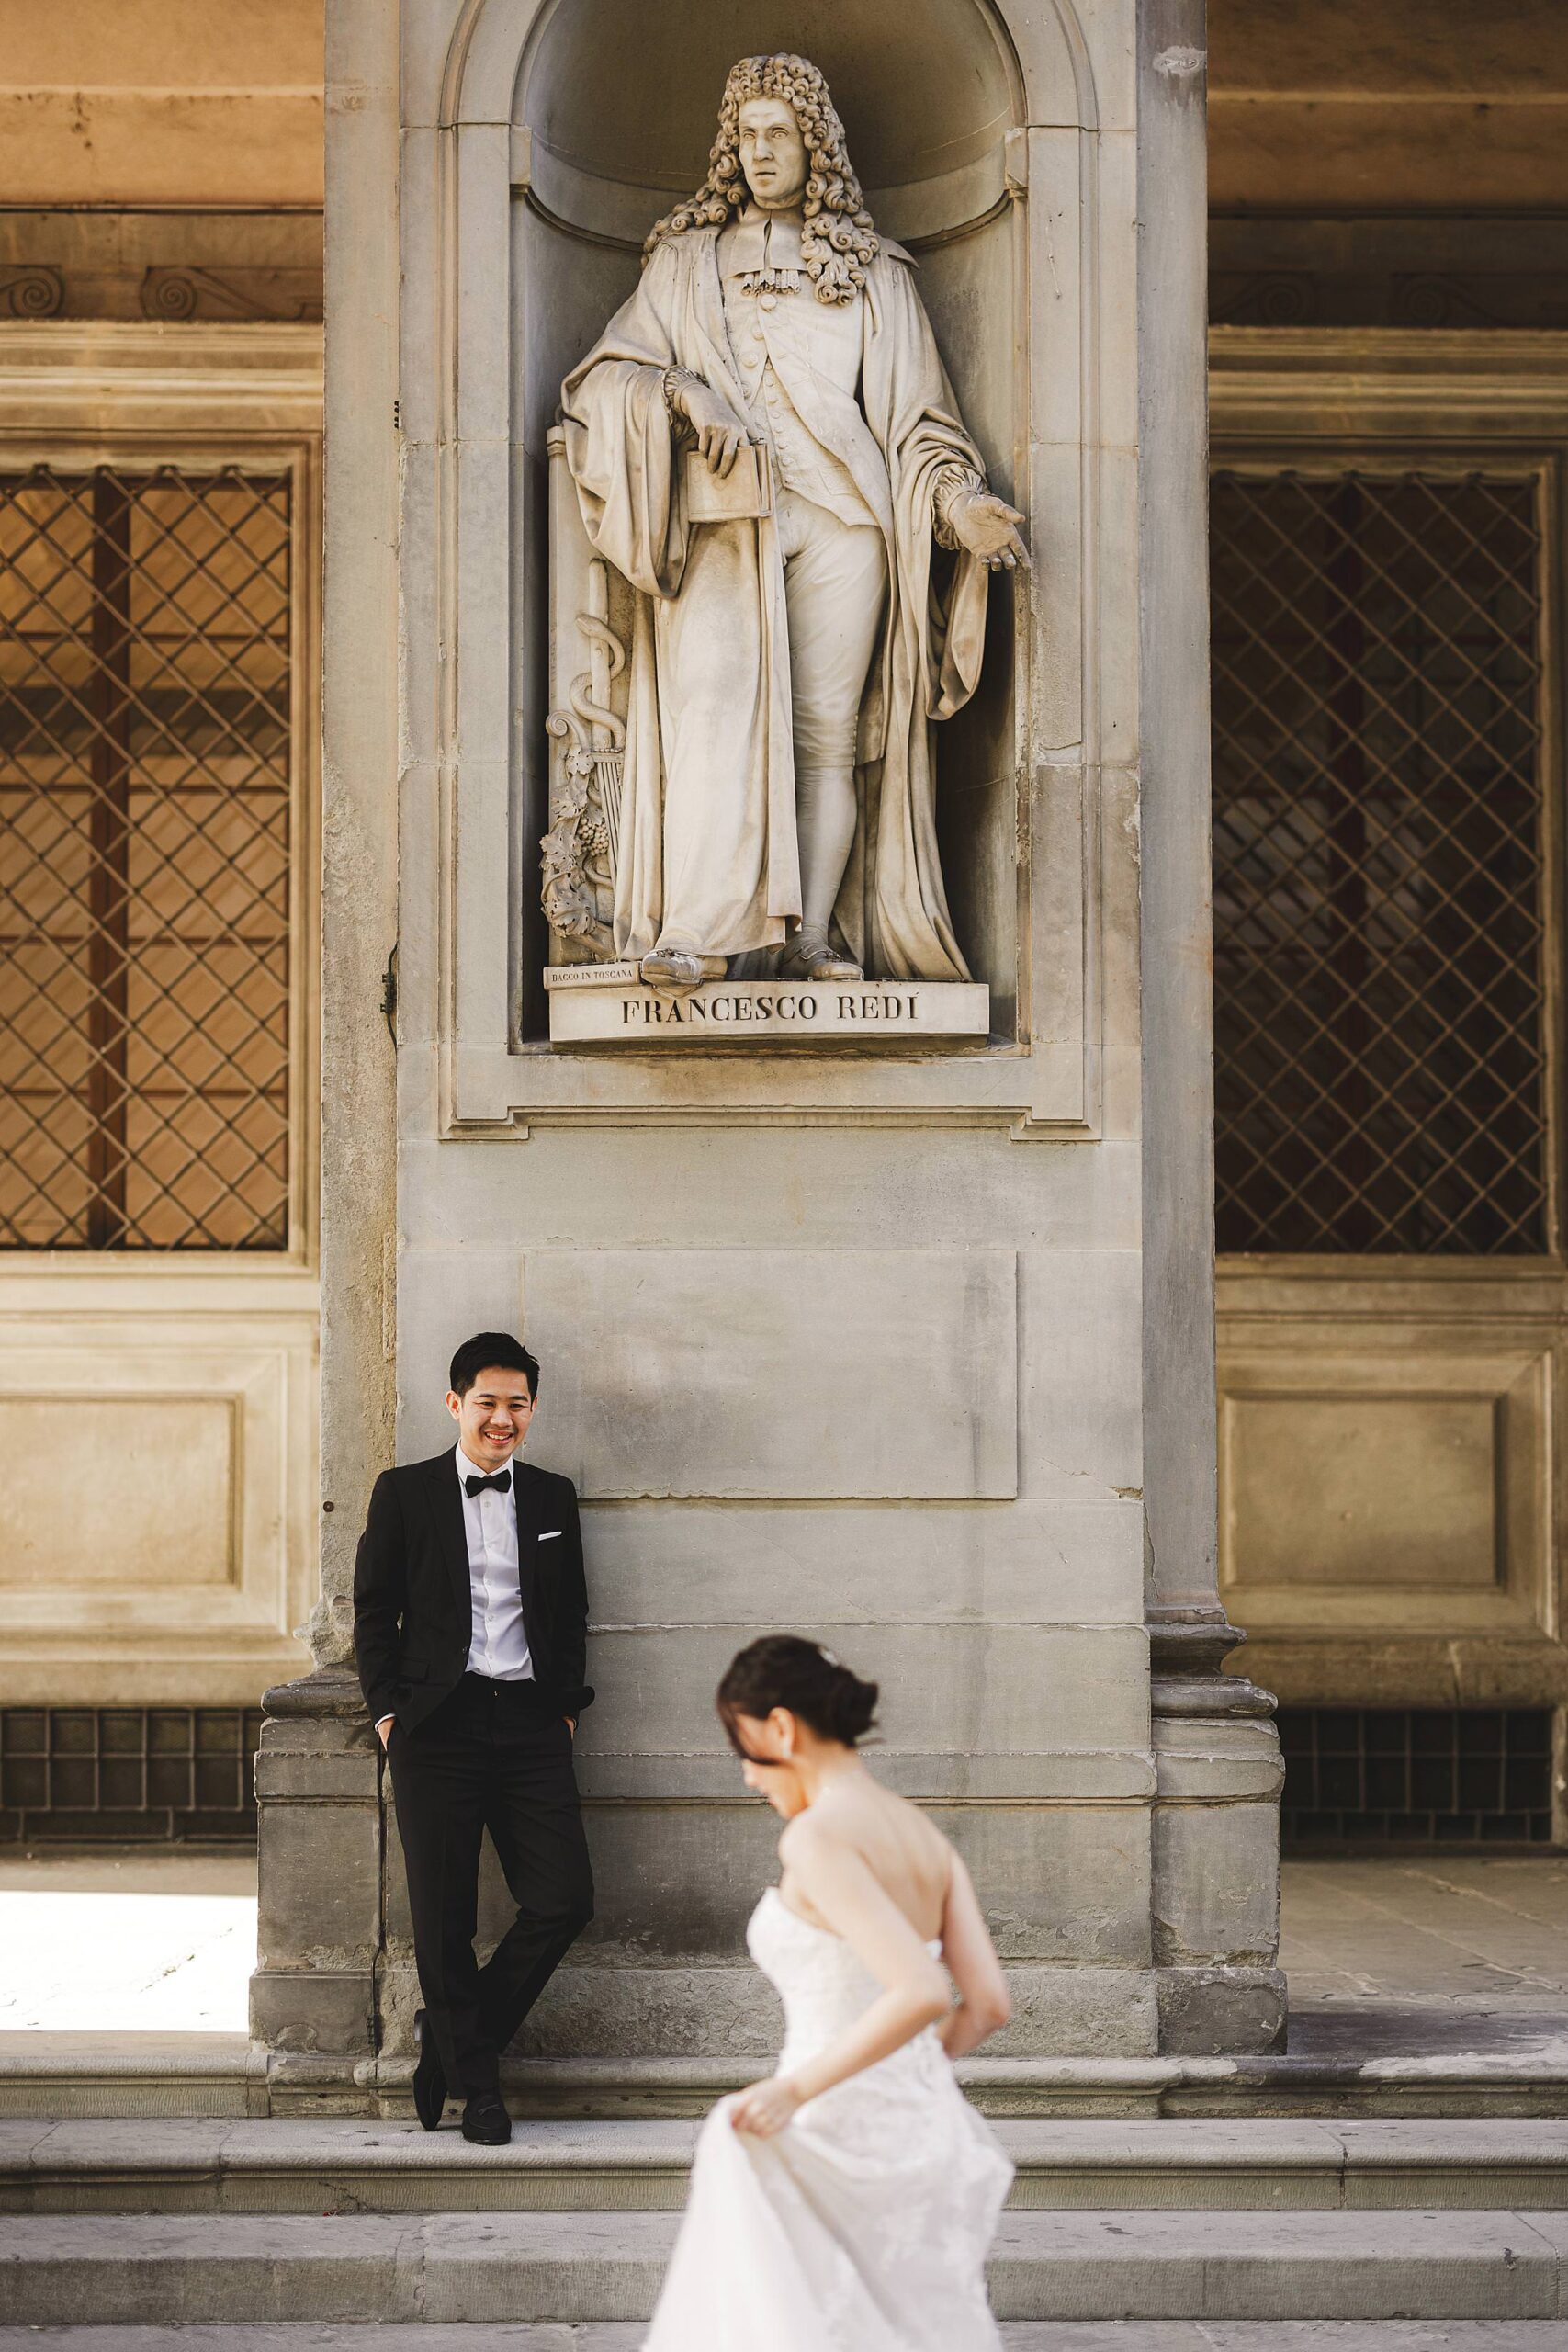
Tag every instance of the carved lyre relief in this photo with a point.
(580, 850)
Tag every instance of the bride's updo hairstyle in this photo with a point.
(784, 1670)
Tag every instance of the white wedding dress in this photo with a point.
(863, 2227)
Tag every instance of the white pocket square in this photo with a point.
(549, 1536)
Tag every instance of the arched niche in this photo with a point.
(974, 129)
(926, 114)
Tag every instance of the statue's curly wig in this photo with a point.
(838, 244)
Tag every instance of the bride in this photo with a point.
(847, 2203)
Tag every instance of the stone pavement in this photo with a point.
(133, 1942)
(1445, 1949)
(1411, 1954)
(1452, 1930)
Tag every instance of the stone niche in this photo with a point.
(569, 131)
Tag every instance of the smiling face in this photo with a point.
(493, 1419)
(772, 154)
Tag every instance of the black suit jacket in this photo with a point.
(413, 1607)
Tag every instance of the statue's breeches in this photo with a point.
(835, 582)
(746, 694)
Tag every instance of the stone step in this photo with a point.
(345, 2165)
(1522, 2074)
(1018, 2335)
(163, 2270)
(131, 2074)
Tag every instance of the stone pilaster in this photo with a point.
(319, 1930)
(320, 1830)
(1215, 1873)
(1216, 1844)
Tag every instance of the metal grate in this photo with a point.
(144, 858)
(1379, 879)
(95, 1774)
(1415, 1776)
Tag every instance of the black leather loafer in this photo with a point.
(429, 2082)
(486, 2121)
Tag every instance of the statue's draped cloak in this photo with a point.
(709, 673)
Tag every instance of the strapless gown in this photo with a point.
(863, 2227)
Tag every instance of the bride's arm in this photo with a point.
(985, 2004)
(844, 1892)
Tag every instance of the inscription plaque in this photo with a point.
(610, 1005)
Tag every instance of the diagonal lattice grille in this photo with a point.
(1379, 880)
(144, 858)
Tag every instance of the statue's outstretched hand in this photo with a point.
(721, 436)
(988, 526)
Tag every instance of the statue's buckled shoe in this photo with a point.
(808, 959)
(674, 970)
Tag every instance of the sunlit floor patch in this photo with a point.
(127, 1943)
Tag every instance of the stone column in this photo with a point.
(1215, 1856)
(312, 1998)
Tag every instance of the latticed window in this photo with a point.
(145, 774)
(1379, 876)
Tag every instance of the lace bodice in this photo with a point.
(822, 1983)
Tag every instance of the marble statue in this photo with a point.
(765, 446)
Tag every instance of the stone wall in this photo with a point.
(862, 1344)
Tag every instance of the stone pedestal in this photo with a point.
(1216, 1847)
(909, 1346)
(320, 1930)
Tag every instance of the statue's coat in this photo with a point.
(709, 682)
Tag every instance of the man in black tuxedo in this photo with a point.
(470, 1617)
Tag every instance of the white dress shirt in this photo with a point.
(498, 1644)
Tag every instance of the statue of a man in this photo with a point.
(789, 656)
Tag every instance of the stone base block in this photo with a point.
(728, 2012)
(1220, 2012)
(313, 2009)
(319, 1869)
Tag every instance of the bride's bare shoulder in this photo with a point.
(862, 1818)
(831, 1828)
(807, 1835)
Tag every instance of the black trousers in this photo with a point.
(492, 1756)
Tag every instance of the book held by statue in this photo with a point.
(745, 492)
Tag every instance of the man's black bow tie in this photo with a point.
(501, 1482)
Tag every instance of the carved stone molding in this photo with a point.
(1427, 270)
(31, 292)
(1187, 1654)
(192, 293)
(56, 262)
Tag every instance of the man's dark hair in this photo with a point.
(492, 1351)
